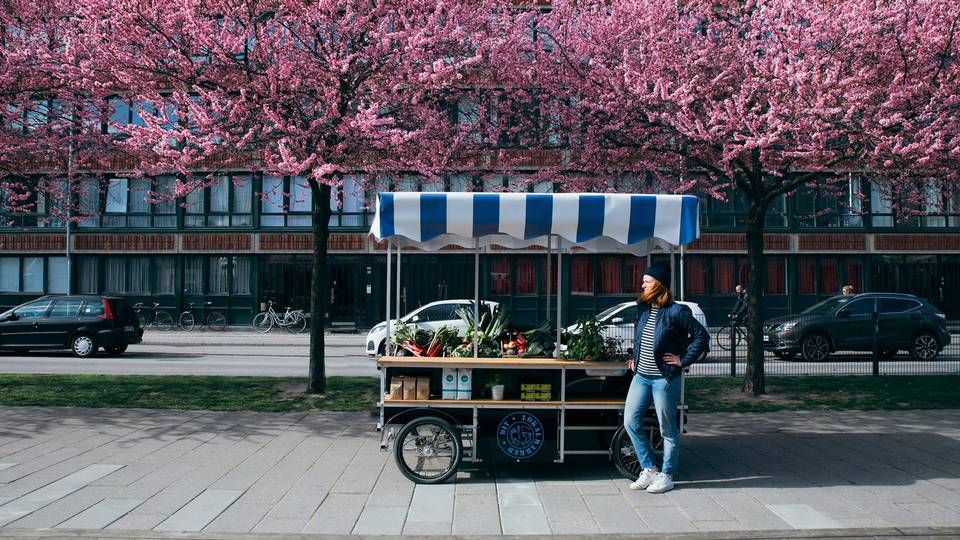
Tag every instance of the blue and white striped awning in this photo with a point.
(593, 221)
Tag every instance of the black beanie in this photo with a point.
(660, 272)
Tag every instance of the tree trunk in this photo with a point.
(754, 380)
(318, 290)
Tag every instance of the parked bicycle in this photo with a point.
(214, 320)
(729, 337)
(293, 320)
(161, 320)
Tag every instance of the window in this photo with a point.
(166, 275)
(218, 271)
(226, 202)
(88, 274)
(610, 275)
(32, 274)
(854, 274)
(896, 305)
(9, 274)
(500, 276)
(859, 307)
(241, 275)
(138, 272)
(724, 275)
(33, 310)
(193, 275)
(633, 275)
(443, 312)
(829, 278)
(776, 275)
(581, 275)
(831, 204)
(286, 201)
(731, 213)
(526, 275)
(130, 202)
(115, 275)
(66, 308)
(346, 203)
(57, 277)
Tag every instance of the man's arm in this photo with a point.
(699, 337)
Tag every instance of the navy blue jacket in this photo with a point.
(676, 332)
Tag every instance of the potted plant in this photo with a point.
(586, 342)
(496, 383)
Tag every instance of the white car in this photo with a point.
(429, 317)
(618, 321)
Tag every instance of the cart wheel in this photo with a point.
(428, 450)
(625, 456)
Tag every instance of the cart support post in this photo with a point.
(476, 296)
(386, 344)
(549, 259)
(682, 284)
(399, 263)
(559, 297)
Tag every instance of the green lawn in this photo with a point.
(359, 393)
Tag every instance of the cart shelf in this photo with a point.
(501, 363)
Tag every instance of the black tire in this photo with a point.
(299, 326)
(186, 322)
(785, 355)
(164, 321)
(727, 338)
(83, 346)
(262, 323)
(428, 441)
(216, 321)
(815, 347)
(116, 349)
(924, 347)
(625, 456)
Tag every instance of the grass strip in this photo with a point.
(270, 394)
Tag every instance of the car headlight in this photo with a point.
(786, 327)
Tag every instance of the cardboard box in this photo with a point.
(465, 383)
(448, 383)
(409, 388)
(396, 388)
(423, 387)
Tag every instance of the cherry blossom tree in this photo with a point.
(314, 89)
(760, 97)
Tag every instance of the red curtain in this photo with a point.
(743, 270)
(500, 276)
(776, 275)
(610, 282)
(829, 281)
(581, 275)
(526, 275)
(723, 275)
(695, 277)
(550, 266)
(806, 275)
(635, 267)
(855, 275)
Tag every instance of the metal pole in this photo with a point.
(476, 298)
(683, 286)
(673, 259)
(397, 308)
(559, 295)
(547, 288)
(386, 344)
(69, 214)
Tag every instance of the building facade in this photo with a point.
(240, 241)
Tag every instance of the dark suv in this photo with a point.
(886, 322)
(78, 323)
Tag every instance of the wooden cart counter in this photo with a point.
(500, 363)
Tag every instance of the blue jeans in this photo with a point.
(665, 394)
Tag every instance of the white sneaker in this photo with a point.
(661, 484)
(646, 478)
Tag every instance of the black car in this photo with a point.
(885, 322)
(79, 323)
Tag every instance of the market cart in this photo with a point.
(436, 412)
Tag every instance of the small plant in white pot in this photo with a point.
(495, 382)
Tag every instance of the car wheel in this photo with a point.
(924, 347)
(116, 349)
(83, 346)
(815, 347)
(785, 355)
(382, 349)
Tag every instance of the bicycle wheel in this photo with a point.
(186, 321)
(726, 338)
(164, 321)
(216, 321)
(299, 324)
(263, 322)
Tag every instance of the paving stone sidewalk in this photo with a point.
(241, 472)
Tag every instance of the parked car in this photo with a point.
(79, 323)
(886, 322)
(429, 317)
(618, 321)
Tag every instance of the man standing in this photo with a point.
(740, 308)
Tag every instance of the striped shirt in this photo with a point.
(646, 365)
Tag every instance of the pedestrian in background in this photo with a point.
(847, 290)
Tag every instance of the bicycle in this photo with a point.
(729, 337)
(214, 319)
(293, 320)
(161, 319)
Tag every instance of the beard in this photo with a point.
(649, 295)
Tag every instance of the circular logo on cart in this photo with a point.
(520, 435)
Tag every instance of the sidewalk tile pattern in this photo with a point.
(240, 472)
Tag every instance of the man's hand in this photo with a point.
(671, 359)
(630, 365)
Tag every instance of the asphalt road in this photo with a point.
(285, 355)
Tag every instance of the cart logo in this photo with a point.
(520, 435)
